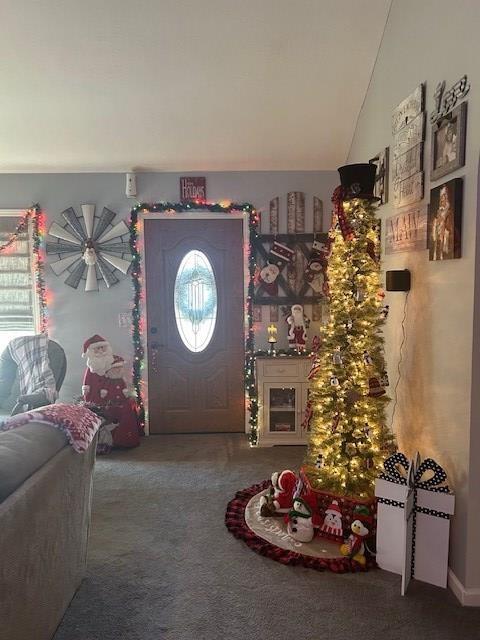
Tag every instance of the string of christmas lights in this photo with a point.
(34, 214)
(136, 273)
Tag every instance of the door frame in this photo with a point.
(189, 214)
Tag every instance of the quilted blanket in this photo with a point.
(77, 422)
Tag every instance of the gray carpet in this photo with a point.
(163, 566)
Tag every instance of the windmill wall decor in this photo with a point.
(92, 249)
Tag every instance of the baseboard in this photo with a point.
(466, 597)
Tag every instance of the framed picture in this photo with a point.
(445, 220)
(448, 142)
(381, 175)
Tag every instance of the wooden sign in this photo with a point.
(409, 163)
(408, 109)
(193, 189)
(274, 215)
(295, 212)
(408, 191)
(409, 136)
(317, 215)
(407, 230)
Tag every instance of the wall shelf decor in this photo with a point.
(291, 285)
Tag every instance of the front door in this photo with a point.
(194, 297)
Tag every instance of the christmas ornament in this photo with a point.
(385, 311)
(350, 449)
(316, 344)
(332, 523)
(359, 295)
(334, 381)
(375, 389)
(367, 359)
(354, 547)
(92, 244)
(319, 461)
(371, 250)
(335, 423)
(279, 256)
(337, 356)
(384, 381)
(352, 396)
(366, 430)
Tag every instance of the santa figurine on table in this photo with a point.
(298, 323)
(99, 356)
(120, 407)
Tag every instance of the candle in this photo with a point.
(272, 333)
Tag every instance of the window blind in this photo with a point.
(16, 284)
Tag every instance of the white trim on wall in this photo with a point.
(466, 597)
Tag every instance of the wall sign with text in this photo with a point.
(406, 231)
(193, 189)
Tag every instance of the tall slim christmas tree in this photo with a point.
(349, 438)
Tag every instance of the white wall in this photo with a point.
(430, 41)
(76, 315)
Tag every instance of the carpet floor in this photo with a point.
(162, 565)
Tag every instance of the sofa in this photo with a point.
(45, 500)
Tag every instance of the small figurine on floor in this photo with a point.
(301, 521)
(99, 356)
(280, 498)
(332, 523)
(354, 546)
(120, 407)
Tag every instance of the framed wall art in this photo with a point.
(445, 220)
(448, 142)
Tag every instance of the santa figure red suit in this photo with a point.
(99, 356)
(120, 407)
(104, 385)
(297, 335)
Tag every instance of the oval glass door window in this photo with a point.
(195, 300)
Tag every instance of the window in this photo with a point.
(19, 306)
(195, 300)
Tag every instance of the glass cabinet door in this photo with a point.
(282, 408)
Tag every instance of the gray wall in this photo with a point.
(431, 41)
(74, 314)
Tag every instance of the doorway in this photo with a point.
(194, 290)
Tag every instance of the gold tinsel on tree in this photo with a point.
(349, 438)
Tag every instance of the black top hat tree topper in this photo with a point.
(358, 181)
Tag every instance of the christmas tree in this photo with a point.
(349, 438)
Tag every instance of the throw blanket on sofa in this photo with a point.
(78, 423)
(34, 374)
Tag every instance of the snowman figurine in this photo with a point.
(300, 521)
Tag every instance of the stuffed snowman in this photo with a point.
(332, 523)
(300, 521)
(354, 546)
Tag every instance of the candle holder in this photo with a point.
(272, 339)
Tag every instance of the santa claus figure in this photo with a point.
(297, 335)
(99, 356)
(120, 407)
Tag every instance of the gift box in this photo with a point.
(413, 519)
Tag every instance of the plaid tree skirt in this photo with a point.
(236, 524)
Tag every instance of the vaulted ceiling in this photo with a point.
(111, 85)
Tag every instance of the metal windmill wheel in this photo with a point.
(93, 250)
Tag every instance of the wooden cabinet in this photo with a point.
(282, 396)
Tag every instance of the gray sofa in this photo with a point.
(45, 498)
